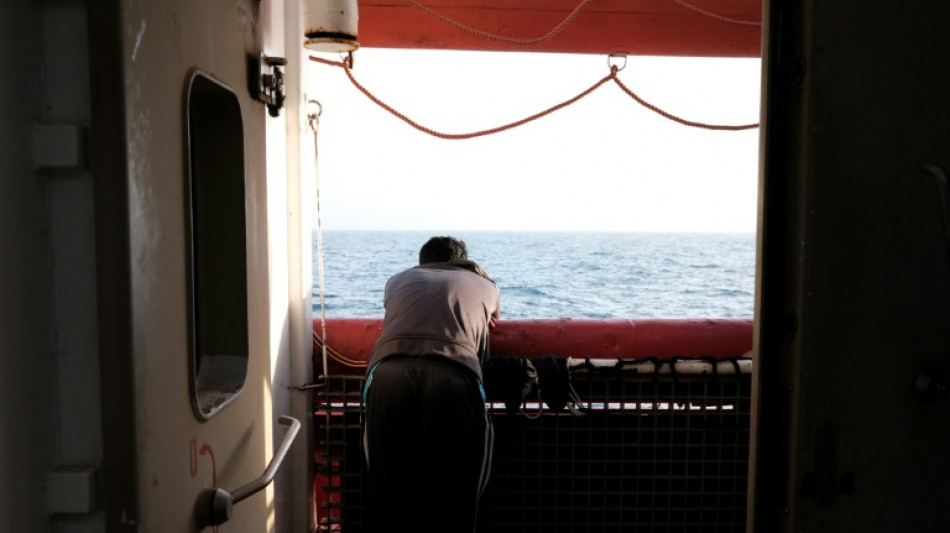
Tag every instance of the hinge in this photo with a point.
(60, 146)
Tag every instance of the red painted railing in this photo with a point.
(351, 339)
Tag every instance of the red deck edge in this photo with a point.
(352, 339)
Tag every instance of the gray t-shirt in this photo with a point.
(438, 309)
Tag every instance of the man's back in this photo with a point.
(438, 309)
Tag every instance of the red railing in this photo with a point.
(350, 340)
(655, 449)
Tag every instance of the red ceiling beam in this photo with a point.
(701, 28)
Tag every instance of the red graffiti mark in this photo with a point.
(194, 457)
(206, 449)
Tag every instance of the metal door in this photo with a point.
(199, 300)
(852, 345)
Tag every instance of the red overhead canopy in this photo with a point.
(701, 28)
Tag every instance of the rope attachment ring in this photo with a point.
(313, 118)
(612, 61)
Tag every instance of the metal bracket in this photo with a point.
(267, 82)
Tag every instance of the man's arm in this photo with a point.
(493, 319)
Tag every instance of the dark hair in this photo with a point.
(442, 249)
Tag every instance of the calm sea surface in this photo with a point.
(557, 275)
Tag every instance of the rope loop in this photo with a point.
(313, 118)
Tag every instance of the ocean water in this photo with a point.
(556, 275)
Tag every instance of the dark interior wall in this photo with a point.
(855, 272)
(25, 344)
(49, 386)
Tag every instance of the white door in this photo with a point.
(197, 282)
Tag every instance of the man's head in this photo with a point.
(442, 249)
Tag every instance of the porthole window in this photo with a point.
(216, 245)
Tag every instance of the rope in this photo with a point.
(345, 65)
(714, 16)
(337, 356)
(498, 38)
(674, 118)
(454, 136)
(314, 122)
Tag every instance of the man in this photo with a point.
(427, 436)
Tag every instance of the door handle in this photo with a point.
(222, 502)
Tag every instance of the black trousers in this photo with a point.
(428, 443)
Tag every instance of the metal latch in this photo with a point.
(267, 82)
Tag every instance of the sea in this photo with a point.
(543, 275)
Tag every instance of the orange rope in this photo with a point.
(674, 118)
(340, 358)
(521, 42)
(612, 76)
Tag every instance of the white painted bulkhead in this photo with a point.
(96, 405)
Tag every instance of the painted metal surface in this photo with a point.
(331, 25)
(160, 459)
(178, 455)
(708, 28)
(854, 278)
(353, 338)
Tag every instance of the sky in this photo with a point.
(604, 163)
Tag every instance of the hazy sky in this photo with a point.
(604, 163)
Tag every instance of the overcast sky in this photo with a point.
(604, 163)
